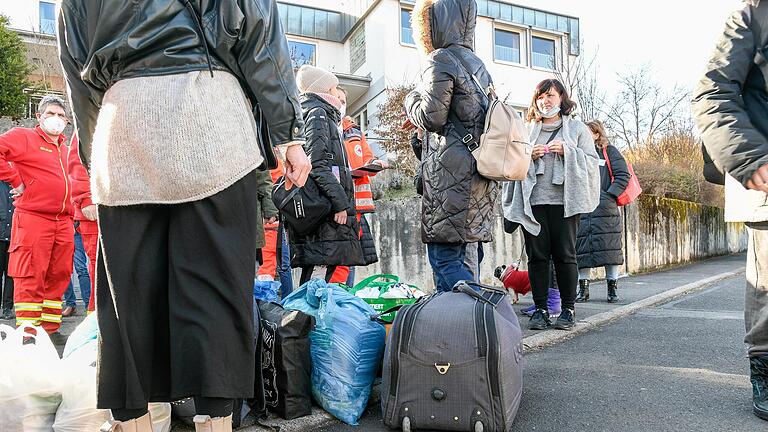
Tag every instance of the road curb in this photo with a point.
(551, 337)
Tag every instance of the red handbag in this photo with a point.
(633, 189)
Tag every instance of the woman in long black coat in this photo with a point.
(599, 237)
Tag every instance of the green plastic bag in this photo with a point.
(382, 282)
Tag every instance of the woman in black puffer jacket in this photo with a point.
(457, 203)
(599, 237)
(336, 241)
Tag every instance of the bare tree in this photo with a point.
(579, 76)
(642, 110)
(396, 139)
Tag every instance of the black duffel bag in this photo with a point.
(303, 209)
(285, 360)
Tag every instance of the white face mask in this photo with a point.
(343, 111)
(551, 113)
(54, 125)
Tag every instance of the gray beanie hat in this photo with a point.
(312, 79)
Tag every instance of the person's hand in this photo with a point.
(759, 180)
(271, 220)
(556, 146)
(340, 217)
(90, 212)
(381, 163)
(297, 166)
(17, 191)
(538, 151)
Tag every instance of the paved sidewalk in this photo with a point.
(638, 287)
(680, 366)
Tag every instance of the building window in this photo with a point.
(543, 53)
(362, 120)
(302, 53)
(506, 46)
(357, 49)
(47, 18)
(406, 31)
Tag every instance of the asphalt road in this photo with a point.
(677, 367)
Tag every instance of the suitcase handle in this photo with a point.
(377, 317)
(463, 287)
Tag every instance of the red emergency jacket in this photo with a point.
(29, 156)
(359, 154)
(80, 181)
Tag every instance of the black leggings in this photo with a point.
(214, 407)
(557, 240)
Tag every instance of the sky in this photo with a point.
(674, 37)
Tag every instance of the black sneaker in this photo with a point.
(539, 320)
(566, 320)
(759, 376)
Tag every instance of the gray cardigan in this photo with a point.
(579, 173)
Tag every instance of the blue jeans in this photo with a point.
(447, 261)
(284, 269)
(351, 277)
(84, 279)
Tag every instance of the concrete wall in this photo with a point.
(6, 124)
(659, 233)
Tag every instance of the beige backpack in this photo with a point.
(503, 152)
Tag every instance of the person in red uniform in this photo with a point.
(85, 213)
(42, 235)
(359, 155)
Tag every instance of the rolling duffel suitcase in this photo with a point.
(454, 362)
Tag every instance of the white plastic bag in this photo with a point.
(161, 416)
(78, 412)
(30, 380)
(86, 332)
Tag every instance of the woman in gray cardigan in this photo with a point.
(562, 183)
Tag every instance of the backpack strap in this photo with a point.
(466, 136)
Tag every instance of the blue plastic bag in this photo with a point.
(346, 347)
(265, 290)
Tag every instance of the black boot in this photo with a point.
(612, 296)
(583, 295)
(758, 372)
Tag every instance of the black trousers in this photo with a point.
(557, 240)
(175, 299)
(7, 282)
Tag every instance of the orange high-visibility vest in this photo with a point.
(359, 155)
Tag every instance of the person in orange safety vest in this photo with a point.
(34, 162)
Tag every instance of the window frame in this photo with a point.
(40, 17)
(523, 35)
(554, 38)
(400, 28)
(306, 42)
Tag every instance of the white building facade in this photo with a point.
(369, 45)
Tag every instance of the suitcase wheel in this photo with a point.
(478, 426)
(406, 424)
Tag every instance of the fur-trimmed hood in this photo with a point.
(441, 23)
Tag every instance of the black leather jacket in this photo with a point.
(104, 41)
